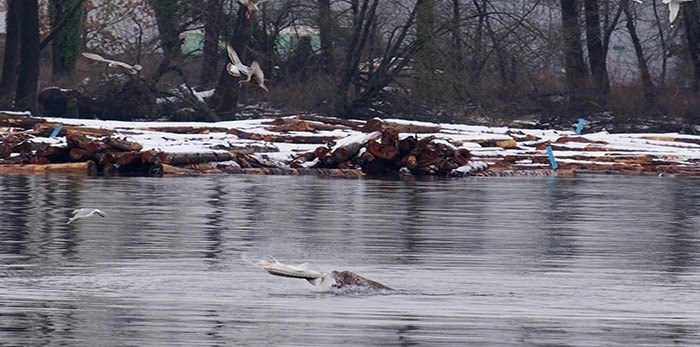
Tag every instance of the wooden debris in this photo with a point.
(86, 168)
(379, 148)
(387, 154)
(19, 121)
(188, 130)
(281, 138)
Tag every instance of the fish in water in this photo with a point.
(333, 279)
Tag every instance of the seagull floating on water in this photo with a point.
(85, 213)
(236, 68)
(251, 5)
(132, 69)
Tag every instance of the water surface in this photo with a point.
(592, 260)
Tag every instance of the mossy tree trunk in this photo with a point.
(67, 17)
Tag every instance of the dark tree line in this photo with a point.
(424, 57)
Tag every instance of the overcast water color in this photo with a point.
(585, 261)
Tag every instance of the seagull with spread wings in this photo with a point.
(674, 6)
(85, 213)
(132, 69)
(236, 68)
(251, 5)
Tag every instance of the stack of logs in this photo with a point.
(108, 154)
(382, 153)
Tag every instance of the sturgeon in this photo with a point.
(294, 271)
(334, 279)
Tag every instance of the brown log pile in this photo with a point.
(387, 154)
(373, 147)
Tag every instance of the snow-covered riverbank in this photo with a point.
(289, 144)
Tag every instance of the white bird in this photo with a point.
(132, 69)
(236, 68)
(85, 213)
(256, 76)
(251, 5)
(673, 7)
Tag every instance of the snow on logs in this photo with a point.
(333, 147)
(382, 152)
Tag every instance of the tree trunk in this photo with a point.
(67, 19)
(28, 76)
(647, 84)
(456, 36)
(573, 52)
(425, 88)
(167, 17)
(8, 82)
(596, 51)
(212, 30)
(325, 26)
(691, 16)
(362, 24)
(225, 99)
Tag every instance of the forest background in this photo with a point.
(484, 61)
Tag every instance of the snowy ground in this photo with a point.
(501, 147)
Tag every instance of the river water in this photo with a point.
(586, 261)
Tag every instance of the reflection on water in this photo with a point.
(585, 261)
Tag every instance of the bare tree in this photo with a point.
(691, 17)
(325, 27)
(210, 51)
(8, 82)
(596, 50)
(645, 75)
(573, 53)
(225, 99)
(172, 20)
(28, 76)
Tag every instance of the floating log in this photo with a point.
(88, 168)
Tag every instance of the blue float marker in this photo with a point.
(579, 126)
(552, 160)
(55, 131)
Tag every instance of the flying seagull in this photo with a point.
(85, 213)
(256, 76)
(132, 69)
(251, 5)
(325, 280)
(673, 7)
(236, 68)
